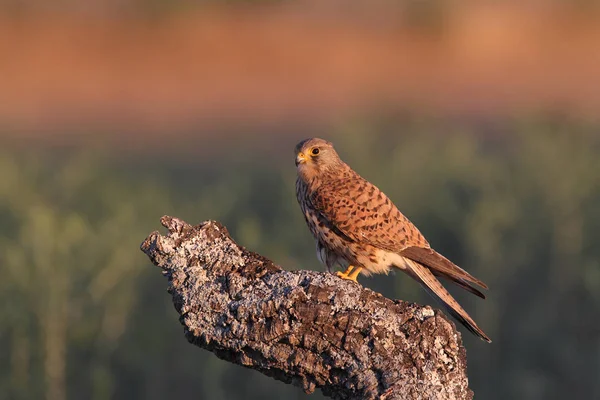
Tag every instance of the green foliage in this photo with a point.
(84, 315)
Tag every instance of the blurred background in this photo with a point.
(481, 122)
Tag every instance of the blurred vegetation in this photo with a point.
(85, 315)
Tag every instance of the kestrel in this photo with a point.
(357, 227)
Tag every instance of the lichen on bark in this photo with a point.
(311, 329)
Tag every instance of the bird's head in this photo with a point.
(315, 157)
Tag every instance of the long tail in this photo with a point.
(430, 283)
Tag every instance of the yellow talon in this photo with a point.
(346, 273)
(351, 273)
(355, 273)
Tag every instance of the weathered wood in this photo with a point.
(308, 328)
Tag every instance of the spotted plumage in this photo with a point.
(357, 227)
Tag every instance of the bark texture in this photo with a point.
(308, 328)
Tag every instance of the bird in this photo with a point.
(358, 228)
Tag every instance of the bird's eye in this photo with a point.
(315, 151)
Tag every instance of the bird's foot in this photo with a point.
(351, 273)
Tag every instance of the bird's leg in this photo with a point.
(350, 273)
(344, 275)
(355, 273)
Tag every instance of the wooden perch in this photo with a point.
(308, 328)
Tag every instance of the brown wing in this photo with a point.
(443, 267)
(459, 282)
(363, 213)
(427, 279)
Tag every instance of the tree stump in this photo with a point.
(311, 329)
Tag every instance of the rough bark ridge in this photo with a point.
(308, 328)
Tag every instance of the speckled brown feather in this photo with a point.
(365, 214)
(355, 223)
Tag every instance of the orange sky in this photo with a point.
(218, 66)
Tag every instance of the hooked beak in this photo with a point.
(300, 159)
